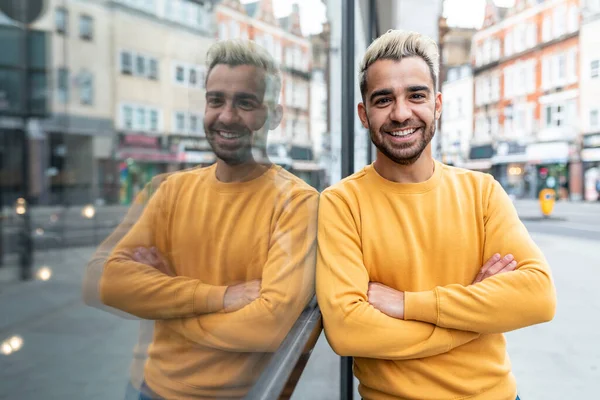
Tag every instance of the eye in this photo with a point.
(383, 101)
(214, 101)
(418, 96)
(246, 105)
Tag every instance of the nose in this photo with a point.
(401, 111)
(228, 114)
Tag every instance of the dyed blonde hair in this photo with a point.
(396, 45)
(245, 52)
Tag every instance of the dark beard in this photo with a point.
(232, 156)
(391, 152)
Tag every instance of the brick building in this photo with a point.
(526, 85)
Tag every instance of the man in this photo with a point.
(239, 238)
(400, 280)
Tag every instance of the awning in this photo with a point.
(147, 155)
(548, 153)
(590, 155)
(478, 165)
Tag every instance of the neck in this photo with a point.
(419, 171)
(239, 173)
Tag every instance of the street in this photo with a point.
(66, 350)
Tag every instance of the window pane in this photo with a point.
(192, 77)
(153, 68)
(140, 65)
(153, 120)
(85, 27)
(63, 85)
(61, 20)
(180, 74)
(126, 62)
(141, 119)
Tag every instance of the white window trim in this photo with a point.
(134, 123)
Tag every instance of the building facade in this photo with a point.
(456, 126)
(590, 98)
(291, 144)
(526, 85)
(158, 55)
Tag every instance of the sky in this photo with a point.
(313, 12)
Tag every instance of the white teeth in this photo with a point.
(230, 135)
(404, 132)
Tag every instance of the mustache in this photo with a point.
(397, 126)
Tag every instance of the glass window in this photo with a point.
(126, 67)
(179, 122)
(153, 120)
(61, 21)
(140, 121)
(63, 85)
(152, 68)
(127, 117)
(140, 65)
(193, 77)
(193, 123)
(179, 74)
(86, 27)
(594, 119)
(595, 68)
(86, 90)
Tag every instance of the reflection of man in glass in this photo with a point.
(227, 252)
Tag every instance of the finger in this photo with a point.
(499, 265)
(492, 260)
(509, 268)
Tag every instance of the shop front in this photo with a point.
(549, 163)
(193, 151)
(140, 158)
(480, 158)
(590, 156)
(509, 167)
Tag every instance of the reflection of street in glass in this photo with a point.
(11, 345)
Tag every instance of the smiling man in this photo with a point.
(422, 267)
(223, 257)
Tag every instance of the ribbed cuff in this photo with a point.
(208, 298)
(421, 306)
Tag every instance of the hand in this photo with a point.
(238, 296)
(387, 300)
(496, 265)
(153, 258)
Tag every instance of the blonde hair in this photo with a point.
(245, 52)
(396, 45)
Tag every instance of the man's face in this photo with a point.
(234, 111)
(401, 108)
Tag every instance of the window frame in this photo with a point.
(88, 36)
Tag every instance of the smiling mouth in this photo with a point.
(229, 135)
(401, 133)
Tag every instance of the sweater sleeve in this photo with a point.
(286, 288)
(503, 302)
(352, 325)
(141, 289)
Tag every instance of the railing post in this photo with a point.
(347, 156)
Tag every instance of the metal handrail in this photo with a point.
(276, 375)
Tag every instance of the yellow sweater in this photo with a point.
(429, 240)
(216, 234)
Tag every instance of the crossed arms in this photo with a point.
(362, 319)
(256, 320)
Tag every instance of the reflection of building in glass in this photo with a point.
(283, 38)
(526, 85)
(589, 99)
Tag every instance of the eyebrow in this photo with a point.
(380, 92)
(237, 96)
(418, 88)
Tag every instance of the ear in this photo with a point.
(275, 117)
(438, 106)
(362, 114)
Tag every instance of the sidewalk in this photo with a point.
(70, 350)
